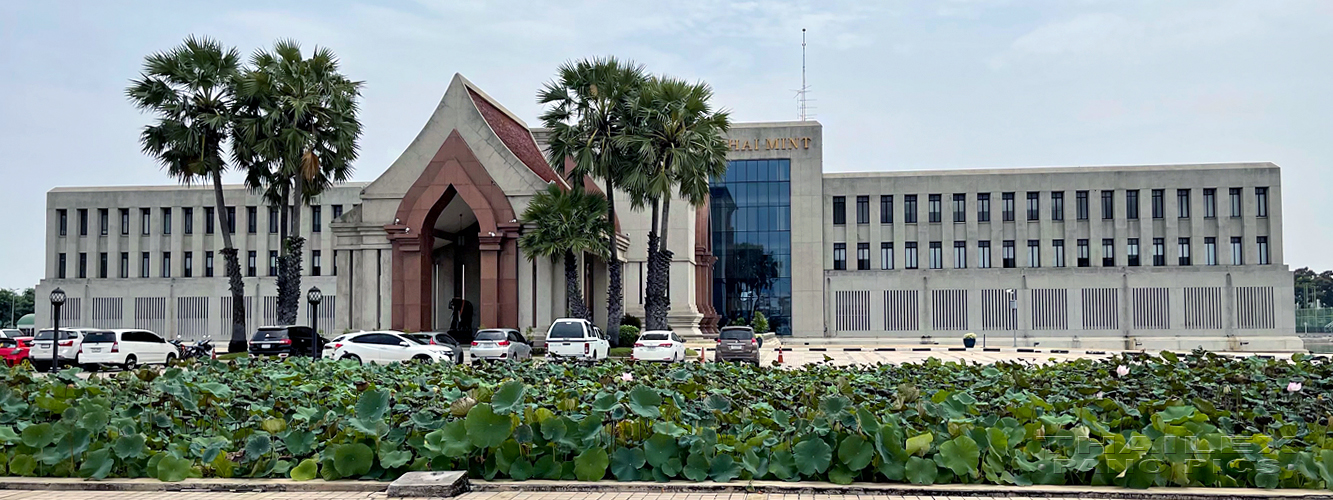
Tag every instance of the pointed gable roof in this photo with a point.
(515, 135)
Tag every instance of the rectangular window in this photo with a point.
(315, 266)
(64, 220)
(1007, 206)
(1261, 202)
(909, 255)
(124, 221)
(1132, 204)
(1210, 251)
(1184, 250)
(839, 210)
(250, 263)
(208, 264)
(1108, 252)
(960, 255)
(1034, 253)
(936, 255)
(1132, 252)
(145, 221)
(862, 209)
(187, 213)
(231, 220)
(983, 254)
(60, 266)
(886, 209)
(144, 265)
(335, 265)
(839, 256)
(886, 255)
(337, 211)
(316, 221)
(1237, 254)
(959, 207)
(909, 209)
(983, 207)
(1084, 253)
(1007, 258)
(1081, 204)
(1108, 205)
(209, 218)
(862, 257)
(1183, 203)
(1058, 247)
(83, 222)
(1263, 250)
(1058, 205)
(272, 262)
(102, 265)
(1209, 203)
(83, 265)
(104, 221)
(1158, 203)
(272, 220)
(189, 264)
(124, 264)
(1034, 212)
(1159, 251)
(935, 208)
(166, 264)
(252, 220)
(1235, 202)
(166, 220)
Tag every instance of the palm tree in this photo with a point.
(679, 142)
(565, 224)
(297, 132)
(586, 113)
(189, 91)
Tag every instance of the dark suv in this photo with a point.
(738, 343)
(283, 341)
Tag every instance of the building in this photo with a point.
(1155, 257)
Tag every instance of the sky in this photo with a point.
(897, 85)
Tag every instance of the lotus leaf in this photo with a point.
(306, 470)
(626, 462)
(509, 398)
(354, 459)
(485, 428)
(812, 456)
(591, 464)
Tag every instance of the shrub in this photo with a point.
(760, 322)
(632, 320)
(738, 321)
(628, 335)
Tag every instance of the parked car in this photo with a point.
(737, 343)
(11, 333)
(70, 341)
(283, 341)
(125, 348)
(500, 344)
(576, 338)
(386, 347)
(659, 345)
(448, 340)
(15, 349)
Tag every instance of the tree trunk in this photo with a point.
(615, 286)
(574, 305)
(654, 278)
(238, 340)
(662, 301)
(289, 270)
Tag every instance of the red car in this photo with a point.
(15, 350)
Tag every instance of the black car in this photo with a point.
(283, 341)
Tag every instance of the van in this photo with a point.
(576, 338)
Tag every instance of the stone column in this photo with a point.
(490, 279)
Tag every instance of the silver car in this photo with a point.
(500, 344)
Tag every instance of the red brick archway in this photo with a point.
(453, 172)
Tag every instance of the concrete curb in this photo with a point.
(215, 485)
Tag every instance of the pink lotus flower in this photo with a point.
(1121, 371)
(627, 377)
(1294, 386)
(1099, 395)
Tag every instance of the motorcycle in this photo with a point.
(202, 349)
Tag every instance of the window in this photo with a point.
(231, 220)
(83, 265)
(189, 264)
(1108, 205)
(124, 264)
(959, 207)
(1183, 203)
(102, 265)
(1007, 258)
(145, 221)
(839, 256)
(1132, 204)
(1034, 253)
(316, 222)
(1261, 202)
(64, 220)
(1058, 205)
(886, 209)
(272, 220)
(909, 255)
(337, 211)
(1034, 213)
(314, 260)
(60, 266)
(166, 264)
(1235, 202)
(1158, 203)
(209, 218)
(936, 255)
(909, 209)
(272, 262)
(250, 263)
(252, 220)
(1081, 204)
(335, 265)
(187, 213)
(1108, 252)
(1007, 206)
(1159, 251)
(1237, 256)
(166, 220)
(208, 264)
(983, 207)
(983, 254)
(1058, 247)
(1209, 203)
(1184, 251)
(886, 255)
(124, 221)
(862, 209)
(935, 208)
(83, 222)
(1210, 251)
(143, 265)
(103, 221)
(1084, 253)
(862, 257)
(960, 255)
(1132, 253)
(1263, 250)
(839, 210)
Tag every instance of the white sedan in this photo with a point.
(387, 347)
(659, 345)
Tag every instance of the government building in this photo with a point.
(1133, 257)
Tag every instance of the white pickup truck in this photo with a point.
(576, 338)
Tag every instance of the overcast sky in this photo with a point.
(898, 85)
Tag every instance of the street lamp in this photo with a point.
(314, 296)
(1013, 312)
(57, 301)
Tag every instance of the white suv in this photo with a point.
(125, 348)
(576, 338)
(387, 347)
(70, 340)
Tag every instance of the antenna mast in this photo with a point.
(803, 101)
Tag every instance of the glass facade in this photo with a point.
(751, 230)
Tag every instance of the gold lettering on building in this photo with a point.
(770, 144)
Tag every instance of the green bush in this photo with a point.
(738, 321)
(760, 322)
(1078, 422)
(628, 335)
(631, 320)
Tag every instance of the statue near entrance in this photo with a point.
(460, 324)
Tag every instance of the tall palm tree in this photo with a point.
(297, 132)
(189, 91)
(586, 112)
(566, 224)
(679, 141)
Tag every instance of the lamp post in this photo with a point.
(314, 297)
(1013, 312)
(57, 301)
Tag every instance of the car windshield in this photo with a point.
(491, 335)
(444, 338)
(736, 334)
(655, 336)
(270, 334)
(7, 342)
(414, 339)
(46, 335)
(566, 330)
(96, 337)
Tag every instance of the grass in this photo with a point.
(232, 355)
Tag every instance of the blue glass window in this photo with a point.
(751, 229)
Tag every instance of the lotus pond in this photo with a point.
(1196, 419)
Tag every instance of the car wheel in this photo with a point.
(131, 362)
(351, 357)
(171, 358)
(421, 358)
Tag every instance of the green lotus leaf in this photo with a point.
(672, 467)
(855, 452)
(841, 475)
(626, 462)
(173, 469)
(893, 468)
(605, 402)
(299, 443)
(920, 471)
(696, 467)
(722, 468)
(354, 459)
(216, 389)
(257, 445)
(659, 448)
(959, 455)
(643, 401)
(783, 466)
(523, 434)
(812, 456)
(306, 470)
(372, 405)
(834, 405)
(919, 444)
(131, 446)
(97, 465)
(509, 397)
(591, 464)
(38, 435)
(521, 470)
(717, 402)
(485, 428)
(755, 464)
(669, 428)
(450, 440)
(395, 459)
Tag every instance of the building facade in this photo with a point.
(1176, 256)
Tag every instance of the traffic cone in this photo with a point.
(779, 355)
(702, 359)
